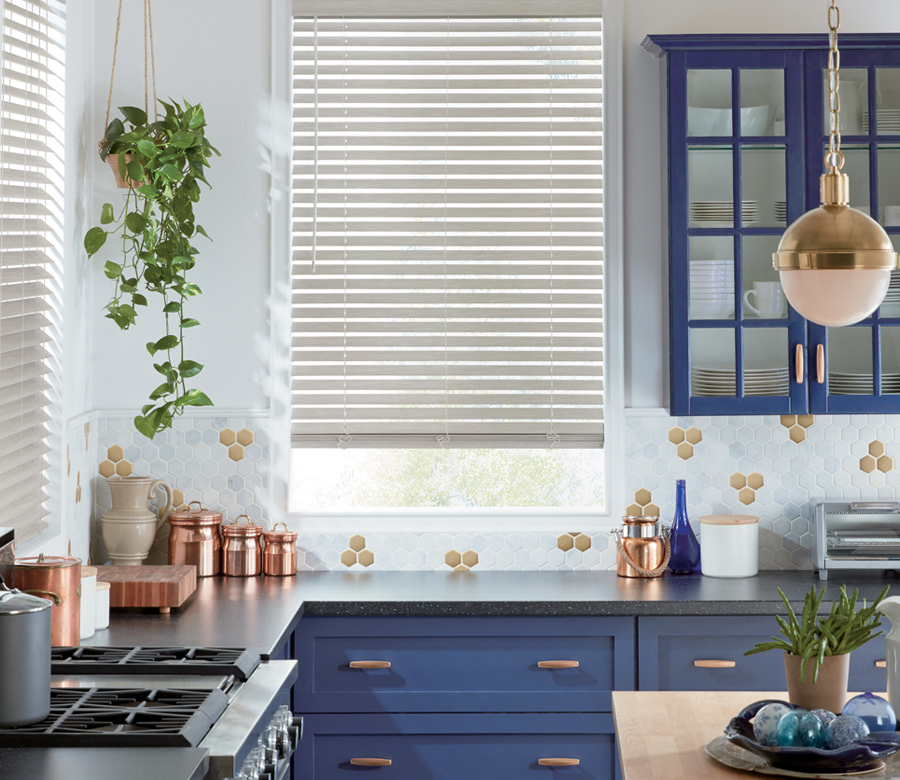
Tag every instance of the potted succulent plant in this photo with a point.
(817, 649)
(162, 164)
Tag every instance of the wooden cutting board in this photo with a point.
(148, 586)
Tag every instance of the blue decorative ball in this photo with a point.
(826, 716)
(845, 730)
(876, 712)
(766, 722)
(787, 733)
(811, 731)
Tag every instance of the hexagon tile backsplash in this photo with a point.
(776, 468)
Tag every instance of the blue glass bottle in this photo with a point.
(685, 557)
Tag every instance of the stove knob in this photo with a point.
(296, 731)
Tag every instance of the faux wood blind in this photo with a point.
(30, 238)
(447, 231)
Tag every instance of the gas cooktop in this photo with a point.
(121, 717)
(236, 661)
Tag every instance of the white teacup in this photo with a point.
(769, 299)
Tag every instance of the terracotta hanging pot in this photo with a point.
(828, 692)
(123, 180)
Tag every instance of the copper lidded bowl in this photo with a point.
(194, 539)
(242, 548)
(280, 555)
(57, 578)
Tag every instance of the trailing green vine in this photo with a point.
(166, 158)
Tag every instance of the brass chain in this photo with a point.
(834, 159)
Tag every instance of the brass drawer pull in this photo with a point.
(713, 663)
(370, 762)
(798, 364)
(370, 664)
(557, 664)
(881, 664)
(558, 762)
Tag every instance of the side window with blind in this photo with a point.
(447, 271)
(31, 143)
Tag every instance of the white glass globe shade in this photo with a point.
(835, 297)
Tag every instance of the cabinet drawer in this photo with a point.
(864, 674)
(462, 664)
(450, 747)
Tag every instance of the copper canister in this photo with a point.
(241, 549)
(280, 555)
(641, 548)
(194, 539)
(59, 579)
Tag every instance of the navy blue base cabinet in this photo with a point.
(460, 697)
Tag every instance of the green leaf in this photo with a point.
(190, 322)
(135, 171)
(147, 148)
(135, 222)
(197, 120)
(172, 307)
(148, 191)
(139, 300)
(170, 172)
(201, 231)
(151, 348)
(134, 115)
(195, 398)
(111, 269)
(114, 131)
(167, 342)
(164, 389)
(144, 425)
(190, 289)
(189, 368)
(106, 214)
(183, 139)
(94, 239)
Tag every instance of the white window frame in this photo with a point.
(495, 520)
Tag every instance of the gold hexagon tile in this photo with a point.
(365, 557)
(755, 480)
(651, 510)
(78, 488)
(693, 435)
(867, 464)
(583, 542)
(245, 436)
(227, 437)
(236, 452)
(470, 557)
(685, 450)
(737, 481)
(461, 568)
(348, 557)
(177, 498)
(746, 495)
(788, 420)
(124, 468)
(642, 497)
(115, 453)
(566, 542)
(797, 434)
(357, 542)
(805, 420)
(87, 435)
(107, 468)
(876, 449)
(633, 510)
(676, 435)
(452, 558)
(885, 463)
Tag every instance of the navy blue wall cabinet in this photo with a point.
(746, 136)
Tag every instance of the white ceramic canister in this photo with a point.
(101, 618)
(88, 600)
(729, 545)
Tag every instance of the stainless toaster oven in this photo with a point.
(856, 535)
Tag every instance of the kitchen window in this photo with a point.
(31, 167)
(447, 282)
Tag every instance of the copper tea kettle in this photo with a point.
(642, 547)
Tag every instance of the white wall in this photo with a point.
(217, 54)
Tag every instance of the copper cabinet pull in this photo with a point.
(798, 364)
(820, 364)
(370, 762)
(712, 663)
(557, 664)
(370, 664)
(558, 762)
(881, 664)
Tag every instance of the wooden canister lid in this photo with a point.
(88, 571)
(103, 585)
(729, 519)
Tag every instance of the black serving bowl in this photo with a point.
(866, 754)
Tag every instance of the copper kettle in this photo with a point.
(642, 547)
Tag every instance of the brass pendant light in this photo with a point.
(835, 262)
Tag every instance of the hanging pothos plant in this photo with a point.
(162, 163)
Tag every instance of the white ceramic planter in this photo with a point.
(729, 545)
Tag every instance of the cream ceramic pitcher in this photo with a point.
(891, 607)
(130, 527)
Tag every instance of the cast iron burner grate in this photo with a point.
(237, 661)
(121, 717)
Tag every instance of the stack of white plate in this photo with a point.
(712, 289)
(886, 119)
(722, 211)
(893, 294)
(718, 380)
(844, 383)
(780, 211)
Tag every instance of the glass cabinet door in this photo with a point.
(862, 362)
(736, 181)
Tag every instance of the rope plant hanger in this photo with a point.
(160, 164)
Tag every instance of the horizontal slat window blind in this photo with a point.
(447, 273)
(31, 138)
